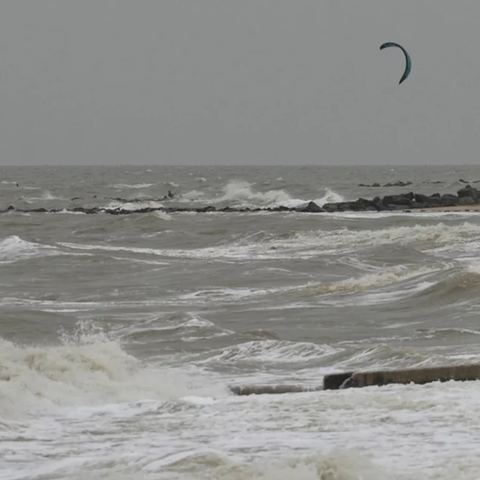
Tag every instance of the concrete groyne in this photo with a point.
(337, 381)
(418, 376)
(271, 389)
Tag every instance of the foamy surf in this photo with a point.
(207, 301)
(242, 194)
(135, 186)
(272, 351)
(329, 197)
(438, 238)
(88, 368)
(201, 464)
(14, 249)
(132, 206)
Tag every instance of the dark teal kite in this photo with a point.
(408, 60)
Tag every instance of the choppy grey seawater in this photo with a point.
(119, 335)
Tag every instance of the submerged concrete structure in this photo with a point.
(344, 380)
(414, 375)
(271, 389)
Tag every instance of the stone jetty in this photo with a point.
(466, 198)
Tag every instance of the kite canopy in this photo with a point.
(408, 60)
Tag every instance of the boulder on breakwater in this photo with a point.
(395, 184)
(466, 196)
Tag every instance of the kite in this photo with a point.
(408, 60)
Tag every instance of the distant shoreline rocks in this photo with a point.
(408, 183)
(377, 185)
(466, 197)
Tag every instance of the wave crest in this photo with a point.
(89, 367)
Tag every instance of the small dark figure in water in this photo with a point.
(170, 194)
(18, 184)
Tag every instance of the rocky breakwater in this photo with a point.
(465, 197)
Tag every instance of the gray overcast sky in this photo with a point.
(238, 82)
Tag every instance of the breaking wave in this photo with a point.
(242, 194)
(309, 244)
(337, 465)
(329, 197)
(88, 367)
(121, 186)
(133, 206)
(273, 351)
(46, 196)
(13, 249)
(422, 236)
(459, 286)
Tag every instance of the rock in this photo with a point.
(363, 204)
(469, 191)
(466, 201)
(398, 184)
(331, 207)
(432, 202)
(420, 198)
(312, 207)
(396, 200)
(449, 200)
(209, 208)
(466, 196)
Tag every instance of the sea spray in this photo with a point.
(87, 367)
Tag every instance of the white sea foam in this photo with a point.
(46, 196)
(339, 465)
(13, 249)
(192, 196)
(132, 206)
(240, 194)
(319, 242)
(272, 351)
(379, 298)
(162, 215)
(375, 281)
(422, 236)
(121, 186)
(89, 367)
(391, 433)
(329, 197)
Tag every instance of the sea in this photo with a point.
(121, 336)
